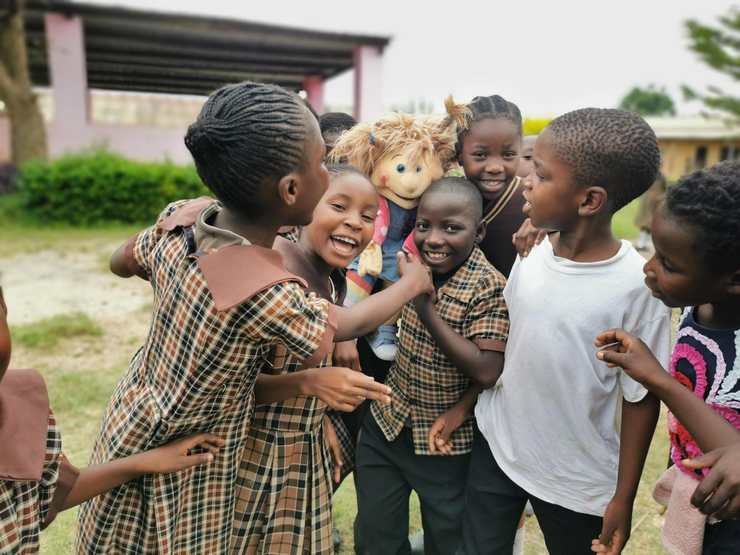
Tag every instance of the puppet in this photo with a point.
(402, 154)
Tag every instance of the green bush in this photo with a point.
(97, 186)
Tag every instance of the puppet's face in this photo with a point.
(397, 181)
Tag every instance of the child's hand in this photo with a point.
(344, 389)
(441, 430)
(631, 354)
(424, 303)
(616, 529)
(527, 237)
(333, 442)
(415, 272)
(345, 355)
(174, 457)
(722, 483)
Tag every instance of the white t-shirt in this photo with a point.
(551, 419)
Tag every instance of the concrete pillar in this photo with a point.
(368, 73)
(314, 87)
(65, 43)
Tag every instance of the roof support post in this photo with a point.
(314, 87)
(66, 50)
(368, 62)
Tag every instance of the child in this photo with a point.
(696, 264)
(525, 160)
(332, 126)
(284, 485)
(222, 301)
(446, 341)
(547, 432)
(488, 151)
(36, 480)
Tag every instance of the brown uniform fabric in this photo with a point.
(424, 384)
(284, 482)
(504, 217)
(195, 373)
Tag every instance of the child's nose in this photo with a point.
(353, 221)
(495, 168)
(527, 181)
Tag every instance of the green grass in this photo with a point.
(623, 223)
(47, 333)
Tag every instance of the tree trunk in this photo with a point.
(27, 130)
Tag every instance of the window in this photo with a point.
(701, 157)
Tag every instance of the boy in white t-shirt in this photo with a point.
(548, 430)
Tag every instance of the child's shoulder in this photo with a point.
(478, 278)
(182, 213)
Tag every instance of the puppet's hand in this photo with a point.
(371, 260)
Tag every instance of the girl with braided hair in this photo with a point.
(222, 300)
(696, 265)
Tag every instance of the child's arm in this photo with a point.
(340, 388)
(706, 426)
(370, 313)
(638, 425)
(482, 367)
(118, 262)
(173, 457)
(452, 419)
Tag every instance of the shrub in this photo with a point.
(97, 186)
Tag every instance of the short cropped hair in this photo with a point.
(461, 187)
(336, 122)
(613, 149)
(707, 202)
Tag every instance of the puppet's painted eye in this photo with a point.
(400, 168)
(418, 168)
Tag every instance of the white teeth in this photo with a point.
(345, 240)
(436, 255)
(527, 203)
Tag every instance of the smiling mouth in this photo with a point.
(491, 184)
(436, 256)
(344, 245)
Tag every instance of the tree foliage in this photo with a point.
(719, 48)
(648, 102)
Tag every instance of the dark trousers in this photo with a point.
(494, 505)
(386, 473)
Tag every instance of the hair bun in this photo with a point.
(197, 136)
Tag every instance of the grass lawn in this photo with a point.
(83, 359)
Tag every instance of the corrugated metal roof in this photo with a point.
(144, 51)
(694, 127)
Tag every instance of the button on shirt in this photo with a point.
(424, 384)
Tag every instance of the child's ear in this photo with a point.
(593, 201)
(288, 189)
(480, 232)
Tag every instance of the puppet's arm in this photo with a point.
(371, 259)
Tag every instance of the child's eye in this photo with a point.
(452, 228)
(527, 157)
(665, 264)
(400, 168)
(479, 155)
(539, 176)
(418, 168)
(421, 226)
(509, 154)
(338, 206)
(368, 218)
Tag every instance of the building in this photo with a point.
(161, 67)
(690, 143)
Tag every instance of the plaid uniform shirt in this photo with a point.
(424, 384)
(195, 373)
(26, 508)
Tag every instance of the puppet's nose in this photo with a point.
(410, 182)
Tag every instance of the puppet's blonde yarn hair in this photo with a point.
(419, 137)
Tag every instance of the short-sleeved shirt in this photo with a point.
(707, 362)
(220, 306)
(550, 421)
(31, 491)
(424, 383)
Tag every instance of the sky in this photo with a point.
(547, 56)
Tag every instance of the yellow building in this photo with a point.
(689, 143)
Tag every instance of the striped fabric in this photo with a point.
(195, 373)
(424, 384)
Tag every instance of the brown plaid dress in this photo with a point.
(424, 384)
(31, 491)
(220, 306)
(284, 487)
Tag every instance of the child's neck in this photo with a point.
(260, 231)
(322, 267)
(720, 316)
(590, 240)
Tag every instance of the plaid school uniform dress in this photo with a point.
(35, 477)
(424, 384)
(284, 482)
(220, 306)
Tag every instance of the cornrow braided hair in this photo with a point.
(613, 149)
(492, 107)
(709, 202)
(245, 134)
